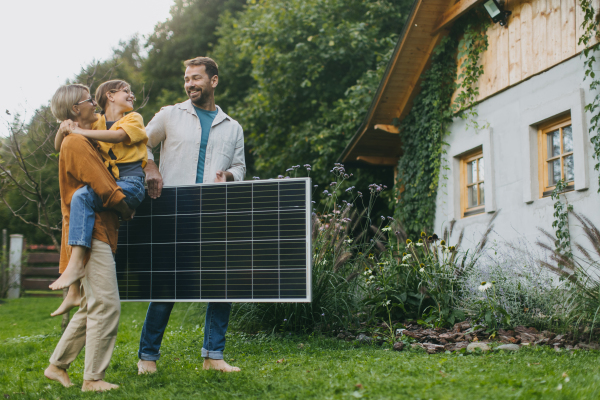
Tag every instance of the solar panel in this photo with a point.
(243, 241)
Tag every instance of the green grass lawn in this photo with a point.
(314, 367)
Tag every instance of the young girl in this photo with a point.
(122, 142)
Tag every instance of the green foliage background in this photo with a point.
(299, 75)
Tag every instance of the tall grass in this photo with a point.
(580, 274)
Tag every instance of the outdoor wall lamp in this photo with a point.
(497, 14)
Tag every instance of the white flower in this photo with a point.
(419, 244)
(404, 265)
(386, 303)
(349, 241)
(386, 229)
(422, 270)
(406, 257)
(484, 286)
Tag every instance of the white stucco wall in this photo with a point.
(510, 152)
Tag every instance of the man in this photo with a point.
(199, 144)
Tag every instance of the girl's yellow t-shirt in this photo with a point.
(132, 149)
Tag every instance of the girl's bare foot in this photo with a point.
(75, 269)
(219, 365)
(58, 374)
(72, 300)
(97, 386)
(146, 367)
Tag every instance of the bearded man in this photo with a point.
(199, 144)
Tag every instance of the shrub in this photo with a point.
(580, 274)
(339, 237)
(521, 288)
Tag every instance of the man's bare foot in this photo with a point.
(74, 272)
(219, 365)
(97, 386)
(146, 367)
(58, 374)
(72, 300)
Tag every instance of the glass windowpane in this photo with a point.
(471, 171)
(553, 143)
(472, 196)
(481, 169)
(567, 139)
(569, 169)
(481, 194)
(553, 172)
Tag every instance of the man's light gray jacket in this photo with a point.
(177, 129)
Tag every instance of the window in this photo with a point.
(555, 144)
(472, 188)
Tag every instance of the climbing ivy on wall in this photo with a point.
(591, 31)
(424, 128)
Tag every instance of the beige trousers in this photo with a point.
(95, 323)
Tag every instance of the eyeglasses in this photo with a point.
(128, 91)
(91, 100)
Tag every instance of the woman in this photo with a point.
(122, 141)
(95, 323)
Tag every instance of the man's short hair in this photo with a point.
(65, 98)
(210, 65)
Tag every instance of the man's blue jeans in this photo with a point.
(157, 317)
(85, 202)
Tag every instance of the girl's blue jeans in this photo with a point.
(85, 203)
(157, 317)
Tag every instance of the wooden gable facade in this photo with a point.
(539, 35)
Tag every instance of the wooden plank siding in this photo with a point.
(539, 35)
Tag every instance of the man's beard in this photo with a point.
(202, 100)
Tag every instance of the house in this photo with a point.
(531, 105)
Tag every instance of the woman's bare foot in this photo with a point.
(146, 367)
(58, 374)
(97, 386)
(75, 269)
(219, 365)
(72, 300)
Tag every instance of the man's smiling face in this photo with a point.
(198, 85)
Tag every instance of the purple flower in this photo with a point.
(382, 218)
(308, 169)
(255, 177)
(306, 165)
(333, 184)
(285, 320)
(325, 191)
(315, 185)
(289, 169)
(279, 176)
(322, 315)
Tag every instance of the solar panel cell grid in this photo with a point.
(239, 241)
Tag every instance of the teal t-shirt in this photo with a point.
(206, 120)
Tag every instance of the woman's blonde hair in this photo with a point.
(107, 87)
(65, 98)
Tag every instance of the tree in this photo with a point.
(308, 70)
(189, 33)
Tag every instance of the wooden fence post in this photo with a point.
(4, 265)
(14, 267)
